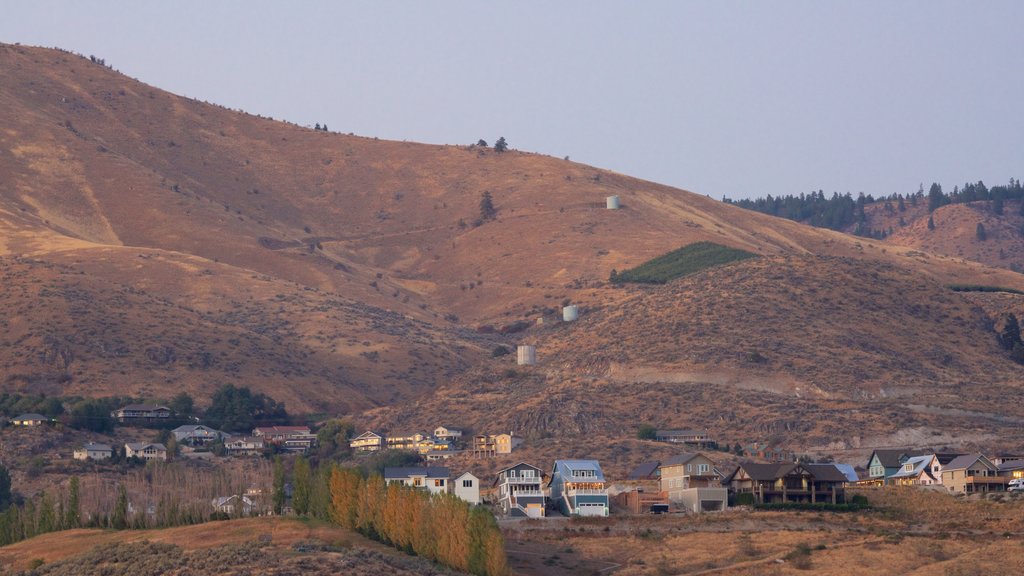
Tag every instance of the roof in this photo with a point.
(367, 434)
(644, 471)
(464, 474)
(410, 471)
(680, 459)
(267, 429)
(849, 471)
(186, 428)
(963, 462)
(567, 467)
(920, 465)
(96, 446)
(137, 446)
(406, 435)
(946, 457)
(455, 428)
(30, 416)
(145, 407)
(498, 473)
(762, 472)
(1011, 465)
(890, 457)
(680, 433)
(826, 472)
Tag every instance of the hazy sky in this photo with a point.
(722, 98)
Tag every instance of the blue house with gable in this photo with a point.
(578, 488)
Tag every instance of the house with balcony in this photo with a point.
(520, 491)
(413, 441)
(578, 488)
(450, 433)
(290, 438)
(141, 414)
(692, 481)
(368, 441)
(487, 445)
(145, 451)
(434, 479)
(973, 474)
(94, 451)
(694, 437)
(197, 435)
(787, 482)
(1012, 469)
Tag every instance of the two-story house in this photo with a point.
(520, 491)
(917, 471)
(578, 488)
(788, 482)
(886, 462)
(368, 441)
(235, 504)
(290, 438)
(691, 480)
(973, 474)
(449, 433)
(494, 444)
(467, 487)
(431, 478)
(414, 441)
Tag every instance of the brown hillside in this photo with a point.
(821, 354)
(333, 271)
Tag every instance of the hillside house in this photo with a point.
(368, 441)
(94, 451)
(768, 452)
(917, 471)
(973, 474)
(493, 444)
(886, 462)
(30, 419)
(145, 451)
(434, 479)
(231, 505)
(141, 414)
(467, 488)
(244, 445)
(787, 482)
(691, 480)
(693, 437)
(197, 435)
(1011, 469)
(413, 441)
(290, 438)
(578, 488)
(519, 491)
(450, 433)
(645, 471)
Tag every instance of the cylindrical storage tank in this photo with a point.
(612, 202)
(526, 355)
(570, 313)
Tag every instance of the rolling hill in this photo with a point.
(151, 243)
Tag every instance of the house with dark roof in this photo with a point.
(886, 462)
(145, 450)
(368, 441)
(141, 414)
(520, 492)
(93, 451)
(646, 471)
(788, 482)
(290, 438)
(973, 474)
(1012, 468)
(578, 488)
(434, 479)
(30, 419)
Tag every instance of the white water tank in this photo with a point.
(526, 355)
(570, 313)
(612, 202)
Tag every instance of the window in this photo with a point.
(702, 468)
(438, 482)
(467, 483)
(908, 467)
(417, 481)
(527, 473)
(689, 467)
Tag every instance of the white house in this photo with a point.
(433, 478)
(467, 487)
(93, 451)
(145, 451)
(447, 433)
(231, 504)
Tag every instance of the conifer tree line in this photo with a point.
(442, 527)
(839, 212)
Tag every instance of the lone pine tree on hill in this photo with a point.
(501, 145)
(487, 209)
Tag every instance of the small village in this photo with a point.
(698, 479)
